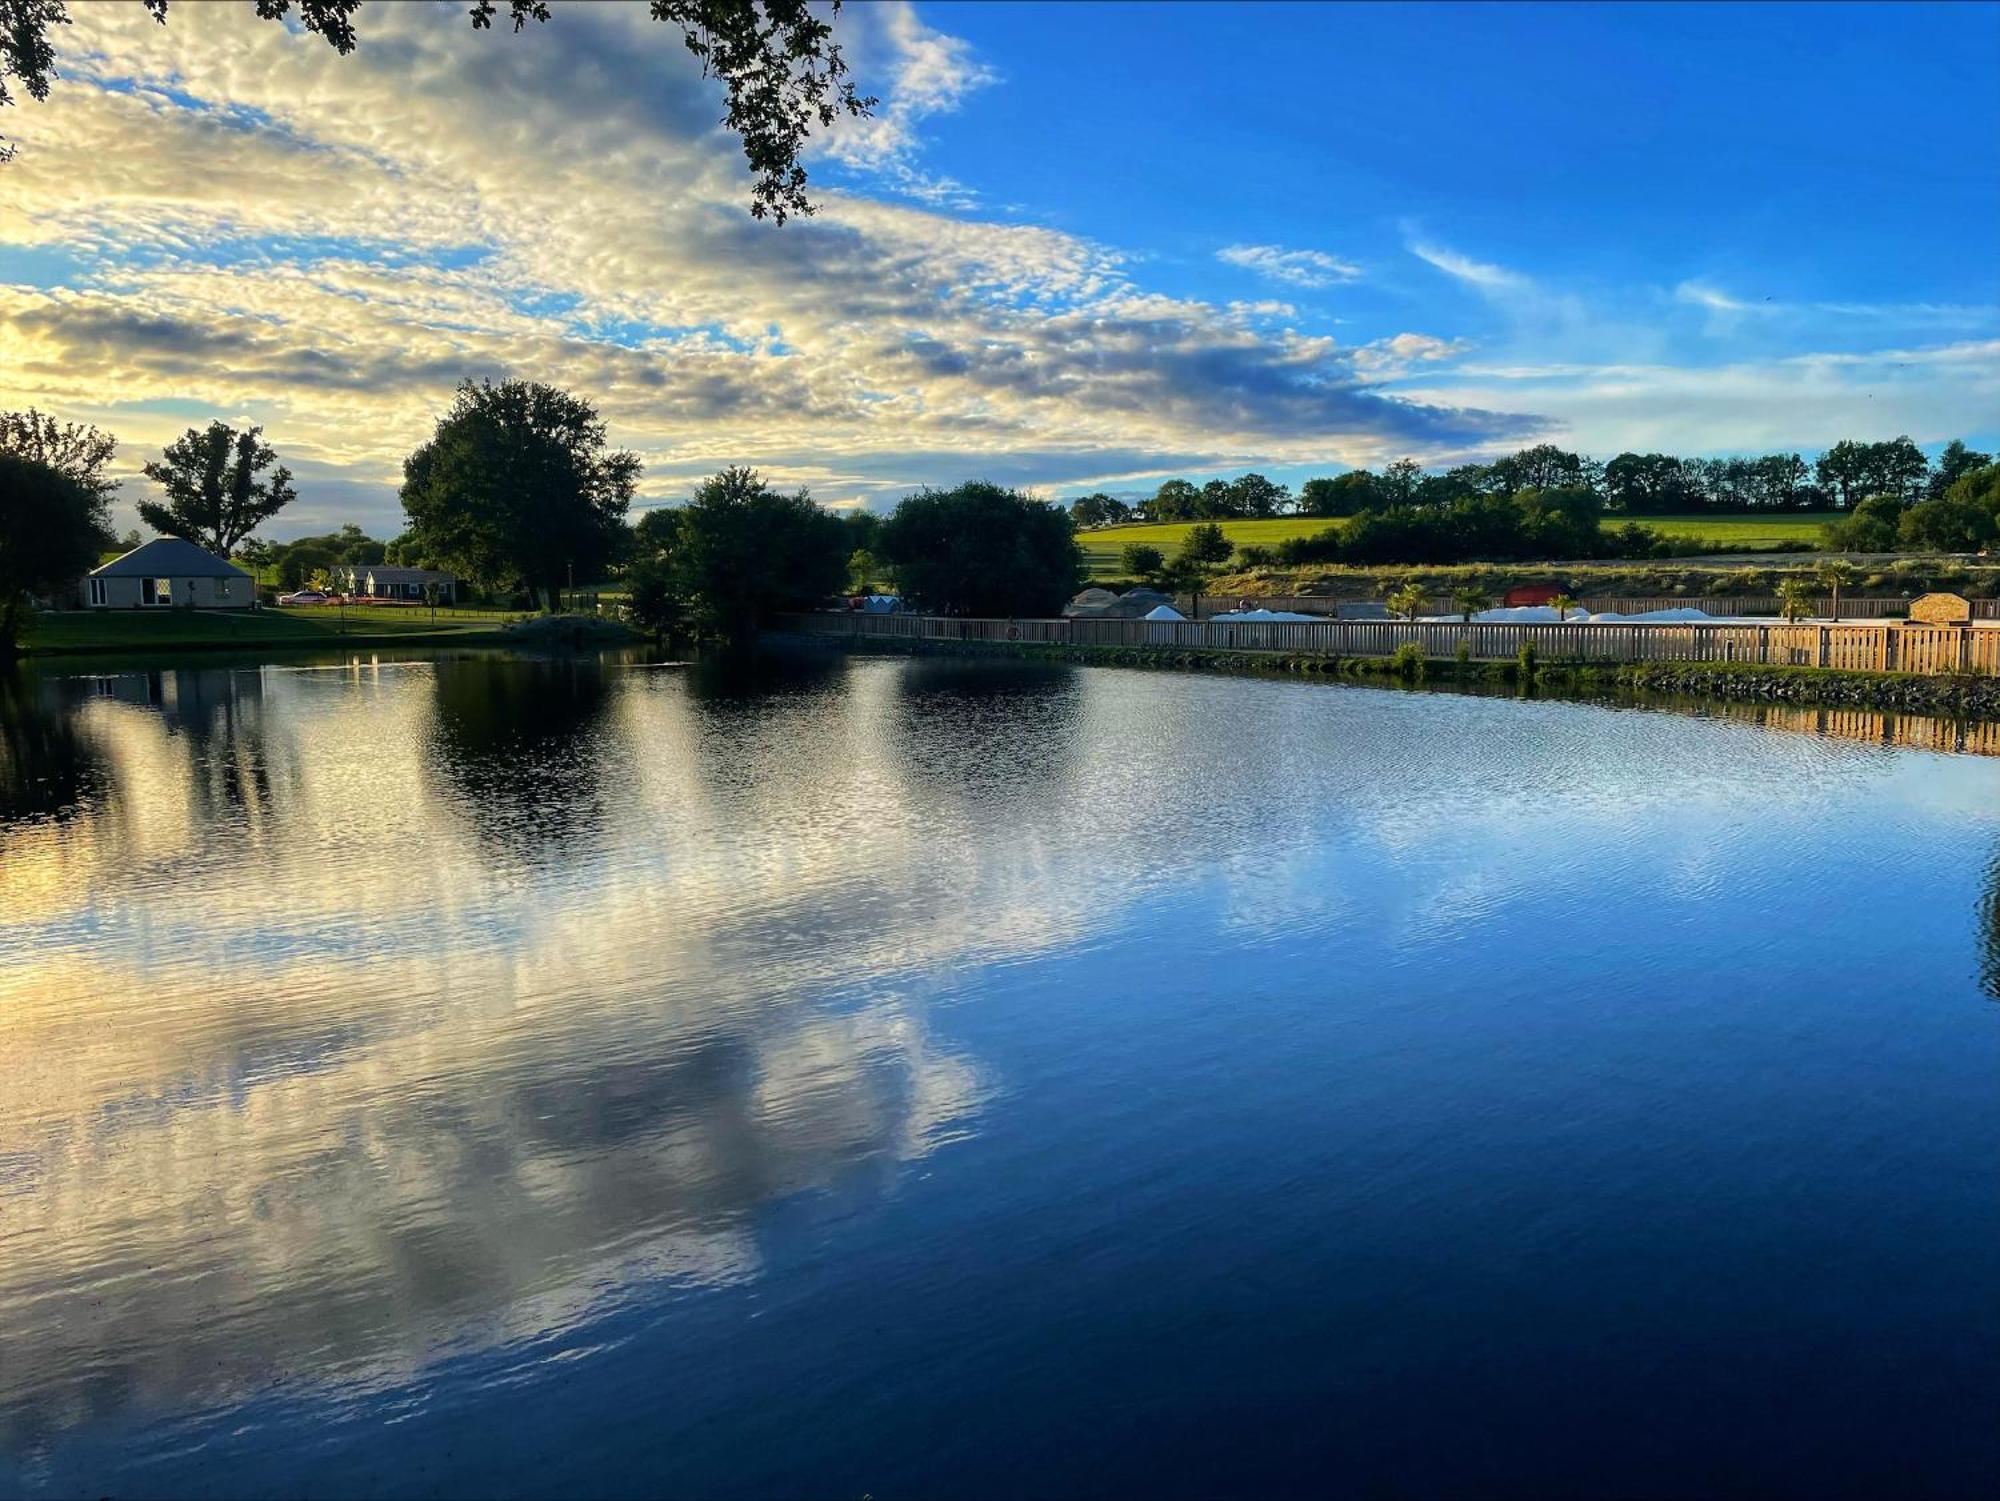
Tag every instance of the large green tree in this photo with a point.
(517, 487)
(777, 61)
(76, 449)
(1954, 464)
(1346, 494)
(1176, 500)
(1543, 467)
(982, 550)
(1099, 509)
(1950, 523)
(52, 527)
(743, 551)
(1642, 483)
(1849, 469)
(217, 490)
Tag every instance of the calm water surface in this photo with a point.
(916, 1077)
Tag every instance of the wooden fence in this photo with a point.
(1852, 607)
(1879, 647)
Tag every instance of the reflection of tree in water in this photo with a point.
(47, 768)
(985, 732)
(522, 743)
(748, 682)
(53, 759)
(219, 712)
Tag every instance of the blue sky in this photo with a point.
(1078, 246)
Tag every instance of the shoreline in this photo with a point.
(1965, 699)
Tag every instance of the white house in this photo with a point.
(165, 572)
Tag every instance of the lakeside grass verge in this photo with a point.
(1961, 698)
(113, 633)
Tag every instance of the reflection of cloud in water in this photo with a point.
(333, 1038)
(321, 1083)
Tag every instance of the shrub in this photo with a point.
(1524, 659)
(1952, 523)
(1205, 544)
(1407, 600)
(1407, 661)
(1872, 527)
(1141, 560)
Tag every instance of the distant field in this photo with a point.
(118, 630)
(1750, 533)
(1745, 533)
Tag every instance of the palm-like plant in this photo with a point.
(1470, 601)
(1795, 599)
(1833, 576)
(1562, 604)
(1407, 600)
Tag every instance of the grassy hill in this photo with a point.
(1740, 533)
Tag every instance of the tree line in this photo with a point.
(519, 491)
(1632, 484)
(1529, 525)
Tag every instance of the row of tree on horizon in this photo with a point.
(518, 492)
(1632, 484)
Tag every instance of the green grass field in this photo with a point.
(311, 625)
(1743, 533)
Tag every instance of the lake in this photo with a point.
(475, 1075)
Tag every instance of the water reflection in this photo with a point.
(521, 749)
(48, 768)
(1989, 932)
(356, 1018)
(317, 1085)
(991, 734)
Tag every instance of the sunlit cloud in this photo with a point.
(1300, 268)
(270, 231)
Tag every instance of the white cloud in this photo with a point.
(595, 236)
(930, 73)
(1400, 353)
(1299, 268)
(1799, 402)
(1481, 274)
(1700, 294)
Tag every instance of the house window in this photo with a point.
(222, 588)
(99, 593)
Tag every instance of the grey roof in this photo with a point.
(389, 573)
(169, 557)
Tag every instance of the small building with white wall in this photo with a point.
(163, 573)
(387, 581)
